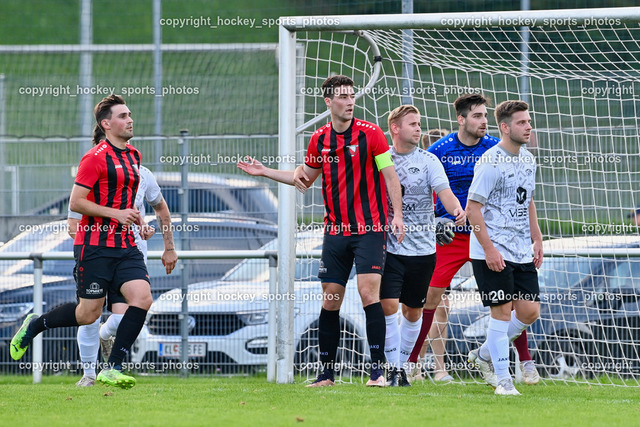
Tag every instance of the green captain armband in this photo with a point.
(384, 160)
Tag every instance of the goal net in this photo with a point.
(580, 72)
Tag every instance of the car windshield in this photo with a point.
(625, 275)
(50, 237)
(558, 274)
(257, 269)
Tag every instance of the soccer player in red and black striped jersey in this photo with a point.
(357, 171)
(104, 246)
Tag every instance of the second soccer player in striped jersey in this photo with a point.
(353, 157)
(92, 337)
(104, 247)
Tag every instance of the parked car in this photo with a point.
(228, 319)
(205, 232)
(589, 316)
(208, 193)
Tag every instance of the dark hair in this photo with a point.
(433, 136)
(332, 83)
(103, 111)
(506, 109)
(465, 103)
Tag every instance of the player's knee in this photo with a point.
(88, 315)
(145, 302)
(369, 298)
(530, 316)
(389, 306)
(332, 304)
(412, 314)
(434, 298)
(141, 300)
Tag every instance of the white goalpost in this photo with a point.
(579, 70)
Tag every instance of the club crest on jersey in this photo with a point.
(353, 149)
(521, 195)
(414, 170)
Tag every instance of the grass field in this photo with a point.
(172, 401)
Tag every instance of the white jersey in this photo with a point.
(420, 174)
(149, 190)
(504, 183)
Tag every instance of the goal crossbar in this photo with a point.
(459, 20)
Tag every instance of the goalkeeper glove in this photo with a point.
(444, 232)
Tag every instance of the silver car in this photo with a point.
(228, 320)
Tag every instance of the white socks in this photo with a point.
(392, 340)
(498, 344)
(110, 327)
(409, 332)
(515, 327)
(89, 345)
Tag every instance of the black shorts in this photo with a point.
(407, 278)
(515, 282)
(101, 271)
(112, 297)
(338, 253)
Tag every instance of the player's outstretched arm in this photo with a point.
(169, 256)
(536, 235)
(392, 183)
(494, 260)
(255, 168)
(452, 205)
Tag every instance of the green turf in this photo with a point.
(250, 400)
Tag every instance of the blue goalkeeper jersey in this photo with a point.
(458, 161)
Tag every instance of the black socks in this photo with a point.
(328, 338)
(128, 331)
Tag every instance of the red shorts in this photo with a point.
(449, 259)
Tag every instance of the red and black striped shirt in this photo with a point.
(353, 188)
(112, 176)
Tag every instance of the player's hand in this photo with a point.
(146, 231)
(537, 254)
(252, 167)
(397, 228)
(299, 179)
(444, 231)
(128, 216)
(461, 217)
(169, 259)
(494, 260)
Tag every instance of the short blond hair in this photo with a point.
(397, 114)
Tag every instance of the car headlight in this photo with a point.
(10, 313)
(254, 317)
(477, 328)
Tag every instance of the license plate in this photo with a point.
(172, 349)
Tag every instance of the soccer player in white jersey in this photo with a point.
(92, 337)
(503, 216)
(409, 264)
(458, 152)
